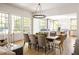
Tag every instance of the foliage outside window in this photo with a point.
(17, 23)
(73, 24)
(3, 23)
(26, 25)
(53, 24)
(43, 24)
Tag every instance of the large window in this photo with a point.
(53, 25)
(73, 27)
(50, 25)
(36, 27)
(73, 24)
(3, 23)
(39, 25)
(21, 24)
(26, 25)
(16, 24)
(43, 24)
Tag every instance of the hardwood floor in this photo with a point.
(68, 48)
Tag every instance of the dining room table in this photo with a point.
(52, 40)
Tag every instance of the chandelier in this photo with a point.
(39, 12)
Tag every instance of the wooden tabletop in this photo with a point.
(52, 37)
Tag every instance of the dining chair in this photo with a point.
(46, 34)
(59, 43)
(33, 41)
(42, 43)
(52, 33)
(27, 39)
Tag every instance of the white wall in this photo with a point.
(78, 25)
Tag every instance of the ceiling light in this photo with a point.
(39, 12)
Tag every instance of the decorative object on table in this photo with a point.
(3, 42)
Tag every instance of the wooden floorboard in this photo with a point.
(68, 48)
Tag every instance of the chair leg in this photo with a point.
(35, 47)
(49, 47)
(29, 45)
(45, 50)
(38, 48)
(60, 50)
(62, 47)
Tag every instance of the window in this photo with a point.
(39, 25)
(50, 25)
(43, 24)
(53, 25)
(26, 25)
(36, 27)
(3, 23)
(21, 24)
(16, 24)
(73, 24)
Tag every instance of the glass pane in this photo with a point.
(26, 25)
(16, 24)
(3, 15)
(56, 25)
(73, 24)
(3, 23)
(74, 27)
(43, 24)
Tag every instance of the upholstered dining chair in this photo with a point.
(27, 39)
(33, 41)
(53, 33)
(42, 43)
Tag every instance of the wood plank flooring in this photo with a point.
(68, 48)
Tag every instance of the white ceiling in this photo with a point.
(45, 6)
(64, 16)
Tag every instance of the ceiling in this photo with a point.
(45, 6)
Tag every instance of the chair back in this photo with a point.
(46, 34)
(62, 38)
(33, 39)
(52, 33)
(41, 40)
(26, 38)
